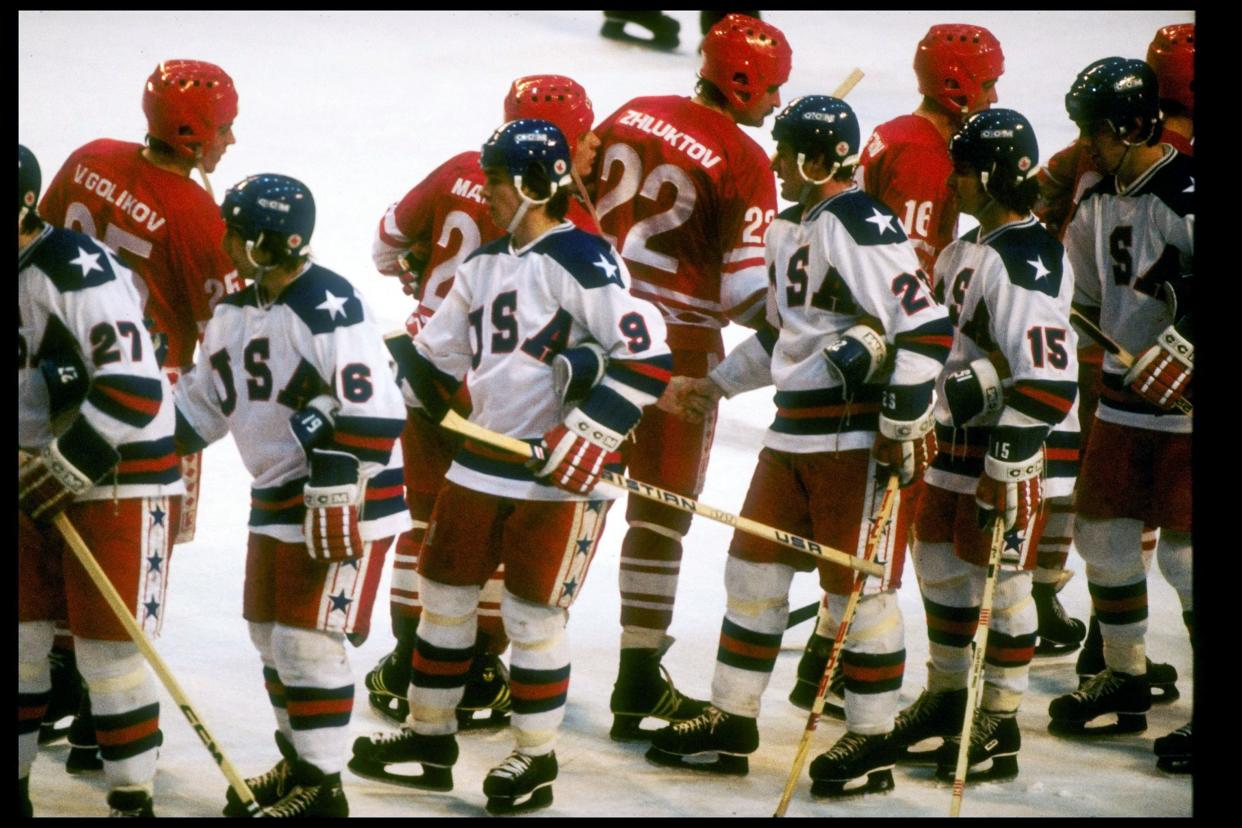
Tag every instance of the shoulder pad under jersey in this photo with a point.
(587, 257)
(323, 300)
(867, 220)
(72, 260)
(1032, 257)
(1174, 184)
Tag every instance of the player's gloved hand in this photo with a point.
(69, 466)
(333, 498)
(576, 451)
(856, 358)
(1011, 485)
(411, 275)
(1161, 374)
(313, 425)
(906, 440)
(973, 394)
(575, 371)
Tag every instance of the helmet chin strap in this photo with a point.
(527, 203)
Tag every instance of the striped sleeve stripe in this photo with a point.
(1045, 400)
(743, 254)
(933, 339)
(367, 438)
(647, 376)
(132, 400)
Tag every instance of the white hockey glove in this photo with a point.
(974, 394)
(1161, 374)
(906, 441)
(1012, 480)
(856, 358)
(576, 451)
(69, 466)
(575, 371)
(333, 498)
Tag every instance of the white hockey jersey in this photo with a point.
(1124, 245)
(261, 361)
(1009, 292)
(846, 259)
(509, 313)
(79, 310)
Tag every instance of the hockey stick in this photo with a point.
(801, 614)
(847, 617)
(455, 422)
(975, 686)
(108, 591)
(851, 80)
(1113, 347)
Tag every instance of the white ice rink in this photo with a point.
(362, 106)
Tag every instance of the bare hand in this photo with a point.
(689, 398)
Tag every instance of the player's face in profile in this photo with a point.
(1106, 149)
(214, 151)
(760, 108)
(584, 153)
(501, 196)
(967, 190)
(785, 165)
(235, 247)
(987, 98)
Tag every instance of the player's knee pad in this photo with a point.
(877, 626)
(448, 605)
(110, 666)
(530, 625)
(1176, 564)
(310, 658)
(1013, 610)
(261, 638)
(1112, 549)
(757, 589)
(655, 517)
(34, 642)
(944, 577)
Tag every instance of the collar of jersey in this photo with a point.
(823, 205)
(1147, 174)
(1009, 225)
(27, 252)
(560, 228)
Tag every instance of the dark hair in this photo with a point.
(709, 92)
(31, 222)
(1020, 198)
(535, 179)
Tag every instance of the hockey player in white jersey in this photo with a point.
(95, 441)
(1132, 245)
(515, 305)
(1008, 286)
(295, 367)
(859, 342)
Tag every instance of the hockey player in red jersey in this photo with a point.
(686, 198)
(95, 442)
(294, 367)
(1131, 241)
(423, 239)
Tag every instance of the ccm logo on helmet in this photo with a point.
(1128, 82)
(525, 137)
(996, 133)
(827, 117)
(278, 206)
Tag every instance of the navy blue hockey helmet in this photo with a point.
(267, 205)
(526, 145)
(819, 124)
(29, 180)
(1000, 144)
(1119, 92)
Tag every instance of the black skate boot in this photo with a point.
(855, 765)
(1162, 678)
(644, 688)
(487, 691)
(811, 670)
(24, 808)
(994, 740)
(1107, 692)
(436, 754)
(520, 783)
(66, 697)
(130, 802)
(269, 788)
(719, 741)
(314, 794)
(83, 744)
(1059, 634)
(1173, 752)
(386, 688)
(664, 29)
(932, 715)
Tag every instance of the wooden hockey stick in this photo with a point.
(851, 606)
(801, 614)
(974, 686)
(108, 591)
(851, 80)
(455, 422)
(1113, 347)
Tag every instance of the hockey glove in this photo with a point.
(1012, 479)
(576, 371)
(906, 441)
(576, 452)
(333, 499)
(312, 426)
(69, 466)
(1161, 374)
(856, 358)
(974, 393)
(412, 265)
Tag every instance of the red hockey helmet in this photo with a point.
(744, 56)
(1172, 56)
(186, 102)
(954, 61)
(554, 98)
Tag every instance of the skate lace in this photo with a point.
(924, 708)
(514, 766)
(985, 725)
(385, 738)
(275, 778)
(705, 722)
(847, 746)
(295, 804)
(670, 700)
(1098, 685)
(375, 679)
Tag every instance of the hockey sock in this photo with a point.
(539, 672)
(874, 661)
(34, 688)
(650, 568)
(125, 707)
(1174, 556)
(319, 693)
(490, 623)
(1011, 642)
(1054, 542)
(1117, 581)
(825, 624)
(750, 634)
(261, 637)
(403, 602)
(952, 592)
(442, 655)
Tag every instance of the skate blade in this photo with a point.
(876, 781)
(50, 732)
(723, 764)
(919, 758)
(432, 778)
(468, 721)
(1003, 768)
(615, 30)
(1175, 765)
(540, 797)
(83, 760)
(1164, 693)
(1046, 648)
(1126, 723)
(383, 707)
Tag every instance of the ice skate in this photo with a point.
(644, 688)
(931, 715)
(855, 765)
(487, 692)
(1173, 752)
(130, 802)
(810, 671)
(713, 742)
(314, 794)
(994, 743)
(520, 783)
(1107, 692)
(664, 29)
(436, 755)
(1162, 678)
(270, 787)
(1059, 634)
(386, 689)
(83, 745)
